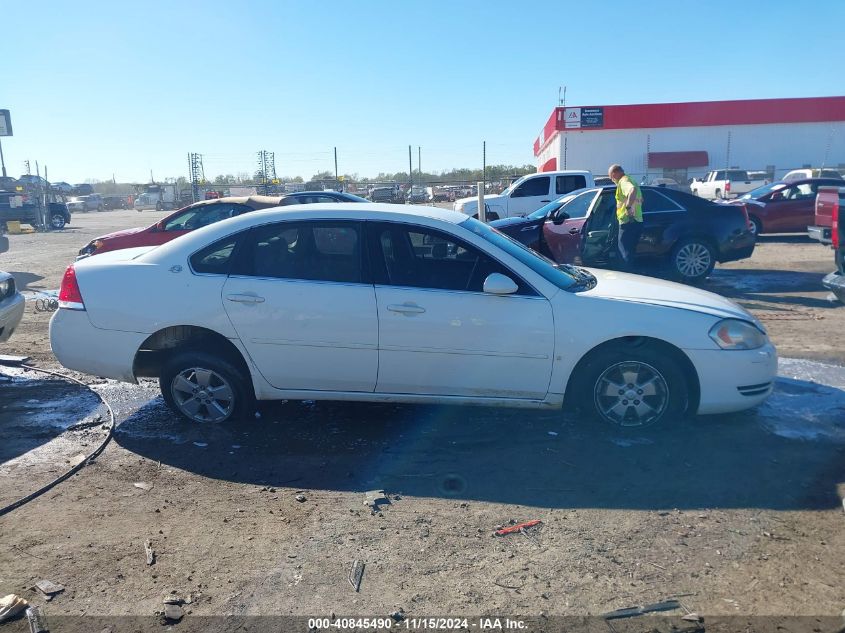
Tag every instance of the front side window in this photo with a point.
(418, 257)
(203, 215)
(215, 259)
(565, 184)
(313, 251)
(534, 187)
(578, 206)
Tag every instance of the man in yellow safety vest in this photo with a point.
(629, 213)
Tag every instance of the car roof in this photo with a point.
(373, 211)
(253, 202)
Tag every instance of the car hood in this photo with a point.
(473, 200)
(123, 233)
(648, 290)
(515, 222)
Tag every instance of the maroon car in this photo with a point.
(784, 207)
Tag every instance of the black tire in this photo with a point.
(693, 260)
(656, 372)
(718, 194)
(57, 221)
(234, 403)
(756, 225)
(100, 208)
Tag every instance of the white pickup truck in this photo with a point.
(527, 194)
(722, 184)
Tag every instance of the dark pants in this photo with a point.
(629, 236)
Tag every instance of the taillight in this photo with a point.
(70, 297)
(834, 223)
(727, 186)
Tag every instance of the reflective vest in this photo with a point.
(623, 188)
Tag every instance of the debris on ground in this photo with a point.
(37, 620)
(519, 527)
(151, 555)
(356, 574)
(11, 606)
(374, 499)
(143, 485)
(692, 617)
(301, 498)
(200, 444)
(78, 459)
(49, 588)
(398, 616)
(13, 361)
(629, 612)
(173, 612)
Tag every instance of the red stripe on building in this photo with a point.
(549, 165)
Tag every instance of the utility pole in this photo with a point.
(419, 162)
(2, 160)
(484, 162)
(335, 165)
(28, 172)
(410, 168)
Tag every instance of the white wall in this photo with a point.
(786, 146)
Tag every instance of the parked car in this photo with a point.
(115, 202)
(527, 194)
(316, 197)
(63, 187)
(284, 305)
(804, 174)
(681, 233)
(416, 195)
(724, 184)
(92, 202)
(439, 194)
(386, 194)
(17, 206)
(835, 281)
(782, 207)
(827, 200)
(82, 189)
(601, 181)
(667, 183)
(11, 306)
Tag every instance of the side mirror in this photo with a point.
(499, 284)
(560, 217)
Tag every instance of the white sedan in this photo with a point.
(386, 303)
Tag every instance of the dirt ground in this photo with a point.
(739, 515)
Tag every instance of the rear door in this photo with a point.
(300, 301)
(563, 241)
(661, 217)
(440, 334)
(530, 196)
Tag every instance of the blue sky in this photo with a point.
(97, 88)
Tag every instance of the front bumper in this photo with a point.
(734, 380)
(11, 313)
(80, 346)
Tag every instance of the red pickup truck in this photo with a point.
(834, 199)
(826, 199)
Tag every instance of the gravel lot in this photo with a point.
(742, 514)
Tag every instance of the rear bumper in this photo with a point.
(748, 382)
(738, 247)
(820, 233)
(835, 282)
(80, 346)
(11, 313)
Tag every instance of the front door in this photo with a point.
(563, 240)
(298, 300)
(598, 244)
(792, 210)
(440, 334)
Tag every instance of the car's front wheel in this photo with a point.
(203, 388)
(57, 221)
(693, 260)
(632, 389)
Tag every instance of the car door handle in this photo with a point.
(545, 200)
(405, 308)
(574, 230)
(245, 298)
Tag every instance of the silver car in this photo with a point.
(11, 306)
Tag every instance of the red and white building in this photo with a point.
(682, 140)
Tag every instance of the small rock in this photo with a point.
(398, 616)
(301, 498)
(173, 612)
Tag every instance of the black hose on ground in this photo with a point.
(24, 500)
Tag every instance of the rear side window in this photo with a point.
(534, 187)
(737, 175)
(720, 175)
(654, 202)
(215, 259)
(312, 251)
(565, 184)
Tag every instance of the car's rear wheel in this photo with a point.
(203, 388)
(693, 260)
(633, 389)
(756, 225)
(57, 221)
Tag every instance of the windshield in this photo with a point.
(513, 186)
(563, 276)
(762, 191)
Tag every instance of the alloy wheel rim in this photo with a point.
(631, 394)
(693, 260)
(203, 395)
(57, 222)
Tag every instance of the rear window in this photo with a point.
(565, 184)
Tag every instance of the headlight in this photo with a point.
(736, 334)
